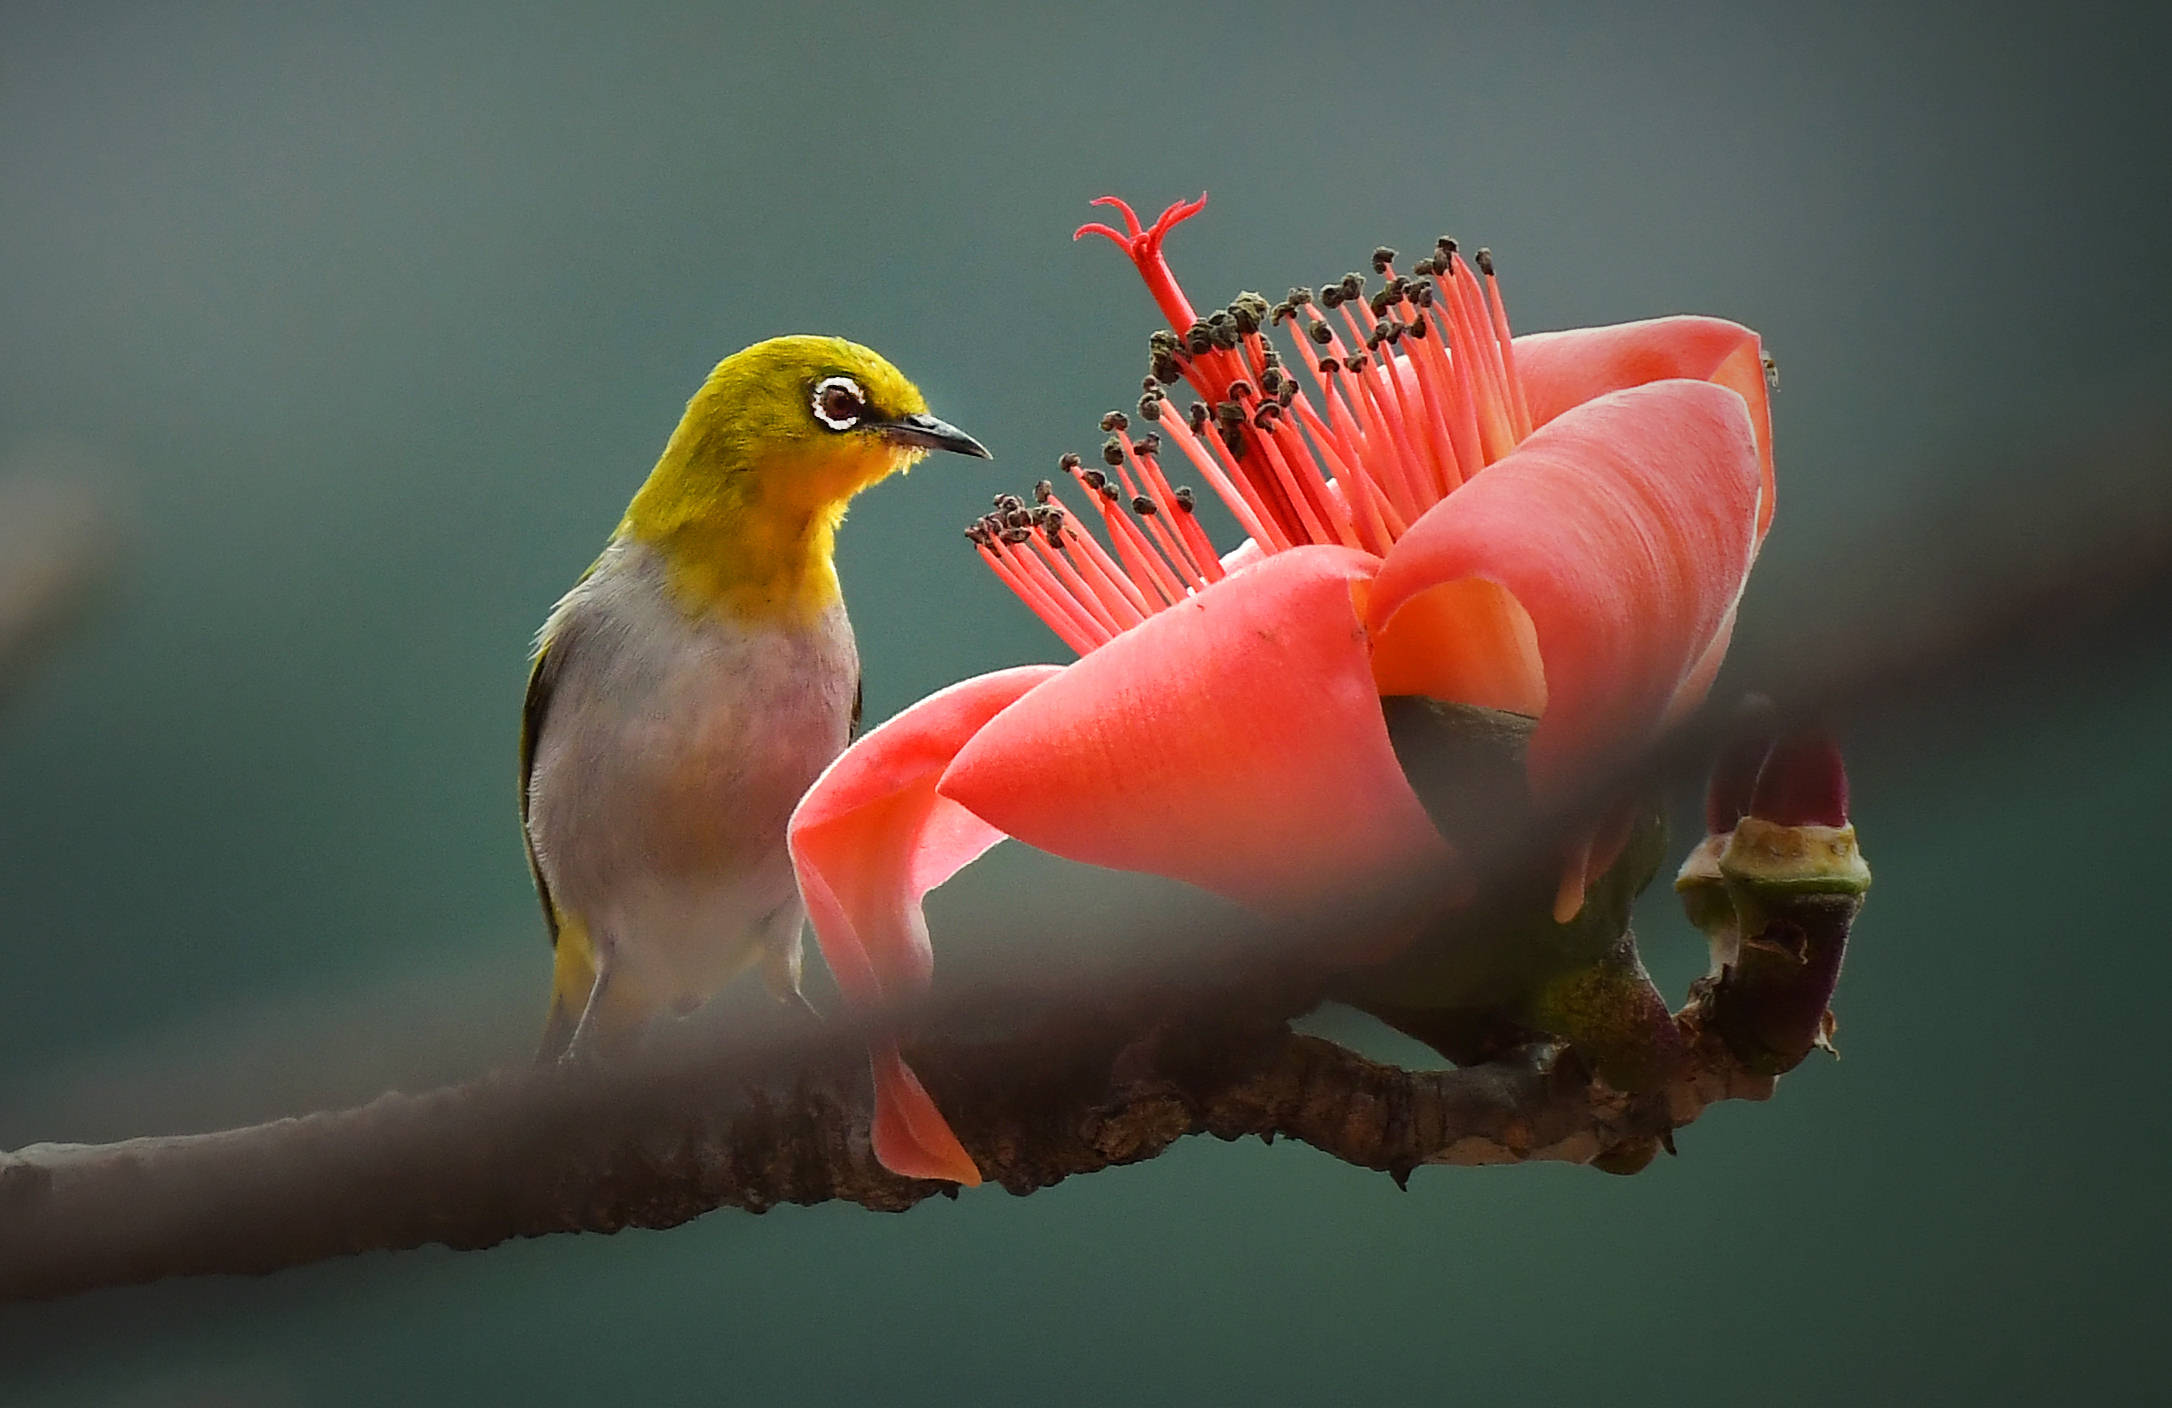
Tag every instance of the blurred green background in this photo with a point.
(373, 318)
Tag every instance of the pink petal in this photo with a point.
(1234, 741)
(1626, 529)
(868, 841)
(1561, 370)
(1468, 642)
(910, 1137)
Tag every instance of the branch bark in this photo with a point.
(517, 1154)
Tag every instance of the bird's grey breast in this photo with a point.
(675, 746)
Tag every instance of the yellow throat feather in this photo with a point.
(745, 501)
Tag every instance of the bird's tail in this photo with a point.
(622, 1010)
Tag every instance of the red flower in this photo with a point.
(1558, 524)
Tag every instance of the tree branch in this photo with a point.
(525, 1153)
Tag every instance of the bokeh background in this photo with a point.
(370, 318)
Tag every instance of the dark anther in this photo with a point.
(1322, 334)
(1054, 517)
(1270, 358)
(1417, 329)
(1094, 478)
(1239, 389)
(1270, 380)
(1287, 394)
(1372, 338)
(1225, 336)
(1110, 492)
(1016, 536)
(1166, 370)
(1276, 314)
(1353, 285)
(1299, 297)
(1052, 531)
(1199, 340)
(1149, 444)
(1150, 408)
(1393, 328)
(1485, 262)
(1447, 248)
(1162, 340)
(1424, 268)
(1329, 364)
(1422, 295)
(1069, 462)
(1381, 302)
(1150, 385)
(1382, 258)
(1112, 452)
(1144, 507)
(975, 534)
(1332, 297)
(1229, 413)
(1007, 502)
(1264, 417)
(1220, 315)
(1043, 491)
(1115, 420)
(1247, 322)
(1359, 361)
(1184, 498)
(1198, 416)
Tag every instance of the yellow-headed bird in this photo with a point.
(695, 681)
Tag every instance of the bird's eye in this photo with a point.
(839, 402)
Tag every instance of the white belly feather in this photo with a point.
(670, 756)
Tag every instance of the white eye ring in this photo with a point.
(822, 391)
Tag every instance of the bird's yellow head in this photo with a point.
(745, 501)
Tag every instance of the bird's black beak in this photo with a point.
(927, 432)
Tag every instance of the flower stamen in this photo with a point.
(1411, 390)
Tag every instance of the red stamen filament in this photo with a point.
(1398, 425)
(1058, 614)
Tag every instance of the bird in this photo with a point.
(694, 682)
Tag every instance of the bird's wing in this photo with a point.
(541, 676)
(553, 643)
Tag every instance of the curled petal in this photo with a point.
(1468, 642)
(1234, 741)
(1562, 370)
(910, 1137)
(868, 841)
(1625, 529)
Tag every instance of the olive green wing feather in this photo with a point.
(552, 645)
(541, 676)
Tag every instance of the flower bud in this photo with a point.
(1796, 840)
(1796, 878)
(1727, 800)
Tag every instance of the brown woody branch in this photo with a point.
(526, 1153)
